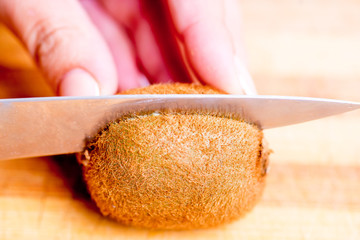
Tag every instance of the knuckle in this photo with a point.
(46, 39)
(45, 36)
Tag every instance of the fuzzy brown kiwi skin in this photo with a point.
(176, 171)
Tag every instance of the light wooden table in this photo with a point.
(303, 48)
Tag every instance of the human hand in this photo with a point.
(93, 47)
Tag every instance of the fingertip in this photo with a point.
(240, 83)
(78, 82)
(244, 78)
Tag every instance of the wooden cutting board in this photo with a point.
(302, 48)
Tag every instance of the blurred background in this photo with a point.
(294, 47)
(305, 48)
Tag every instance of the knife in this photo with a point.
(60, 125)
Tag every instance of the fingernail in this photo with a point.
(244, 78)
(78, 82)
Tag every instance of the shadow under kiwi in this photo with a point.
(71, 173)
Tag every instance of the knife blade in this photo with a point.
(61, 125)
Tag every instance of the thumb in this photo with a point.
(67, 48)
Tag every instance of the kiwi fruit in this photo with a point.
(176, 170)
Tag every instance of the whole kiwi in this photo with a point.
(176, 170)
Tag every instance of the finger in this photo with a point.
(65, 44)
(233, 22)
(128, 13)
(156, 15)
(209, 44)
(120, 46)
(149, 54)
(152, 38)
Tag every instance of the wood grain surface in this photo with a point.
(302, 48)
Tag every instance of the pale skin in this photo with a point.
(101, 47)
